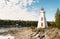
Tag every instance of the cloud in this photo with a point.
(19, 2)
(9, 10)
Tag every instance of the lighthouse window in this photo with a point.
(41, 18)
(41, 24)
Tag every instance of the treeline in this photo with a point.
(51, 24)
(17, 23)
(57, 18)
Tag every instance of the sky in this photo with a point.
(28, 9)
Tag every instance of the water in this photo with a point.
(7, 29)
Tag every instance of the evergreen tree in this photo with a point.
(57, 18)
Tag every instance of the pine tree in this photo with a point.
(57, 18)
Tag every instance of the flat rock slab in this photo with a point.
(23, 34)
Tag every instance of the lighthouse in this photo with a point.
(42, 23)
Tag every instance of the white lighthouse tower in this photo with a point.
(42, 23)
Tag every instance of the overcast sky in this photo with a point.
(27, 9)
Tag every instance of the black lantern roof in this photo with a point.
(42, 8)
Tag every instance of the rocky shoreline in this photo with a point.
(27, 33)
(53, 33)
